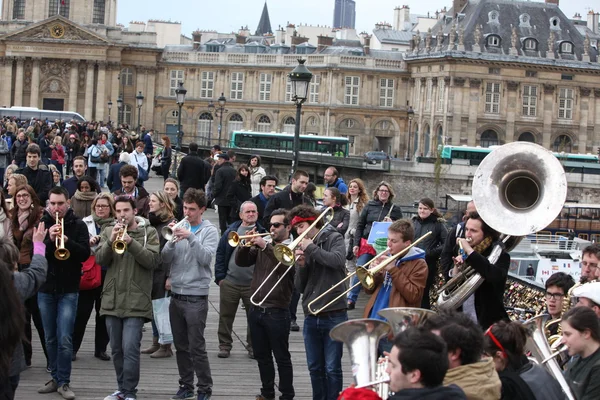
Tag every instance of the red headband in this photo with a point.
(489, 334)
(297, 220)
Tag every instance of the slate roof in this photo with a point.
(264, 25)
(392, 36)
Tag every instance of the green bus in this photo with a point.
(284, 142)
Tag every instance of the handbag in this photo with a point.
(160, 308)
(365, 248)
(91, 274)
(142, 173)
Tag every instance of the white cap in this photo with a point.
(589, 291)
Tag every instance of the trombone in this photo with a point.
(284, 253)
(61, 253)
(119, 246)
(234, 239)
(366, 276)
(169, 232)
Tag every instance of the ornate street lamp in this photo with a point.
(109, 108)
(220, 111)
(180, 93)
(211, 110)
(411, 114)
(139, 99)
(121, 113)
(300, 78)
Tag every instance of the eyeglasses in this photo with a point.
(489, 334)
(102, 206)
(383, 191)
(278, 224)
(23, 196)
(554, 296)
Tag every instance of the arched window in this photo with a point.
(99, 12)
(348, 123)
(493, 41)
(127, 114)
(489, 138)
(530, 44)
(289, 125)
(53, 7)
(426, 138)
(263, 124)
(126, 77)
(235, 123)
(19, 9)
(566, 48)
(563, 143)
(440, 139)
(527, 137)
(205, 128)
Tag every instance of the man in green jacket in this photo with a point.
(126, 298)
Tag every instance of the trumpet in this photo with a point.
(366, 276)
(61, 253)
(234, 239)
(119, 246)
(282, 252)
(169, 232)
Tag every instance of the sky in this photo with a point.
(227, 16)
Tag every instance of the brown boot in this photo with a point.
(164, 352)
(155, 346)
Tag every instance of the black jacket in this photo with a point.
(40, 180)
(374, 211)
(340, 215)
(113, 181)
(238, 193)
(18, 151)
(193, 172)
(224, 177)
(260, 206)
(446, 261)
(64, 276)
(450, 392)
(45, 147)
(285, 199)
(434, 243)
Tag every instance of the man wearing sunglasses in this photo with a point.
(269, 318)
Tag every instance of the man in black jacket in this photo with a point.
(40, 179)
(18, 151)
(291, 196)
(224, 177)
(57, 298)
(193, 172)
(446, 261)
(114, 179)
(267, 189)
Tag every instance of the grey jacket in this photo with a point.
(191, 260)
(4, 153)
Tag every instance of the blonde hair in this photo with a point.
(104, 196)
(20, 180)
(163, 198)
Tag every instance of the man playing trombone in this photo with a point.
(321, 257)
(269, 317)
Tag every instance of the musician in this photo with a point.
(486, 305)
(589, 263)
(588, 295)
(270, 323)
(476, 377)
(581, 335)
(557, 288)
(446, 258)
(127, 289)
(504, 342)
(321, 262)
(190, 257)
(233, 280)
(401, 283)
(57, 298)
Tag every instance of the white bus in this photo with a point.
(27, 113)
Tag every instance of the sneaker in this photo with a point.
(224, 353)
(261, 397)
(294, 326)
(50, 387)
(184, 393)
(48, 369)
(66, 392)
(203, 396)
(115, 396)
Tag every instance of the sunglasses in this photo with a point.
(277, 225)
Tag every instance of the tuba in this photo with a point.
(517, 181)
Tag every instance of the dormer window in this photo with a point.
(493, 41)
(524, 21)
(493, 17)
(555, 23)
(213, 48)
(566, 48)
(530, 44)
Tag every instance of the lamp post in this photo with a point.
(211, 110)
(411, 114)
(139, 99)
(109, 108)
(220, 111)
(300, 78)
(120, 107)
(180, 93)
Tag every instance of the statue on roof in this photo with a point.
(551, 43)
(477, 35)
(417, 39)
(514, 38)
(586, 44)
(428, 40)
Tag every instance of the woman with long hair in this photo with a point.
(309, 193)
(84, 196)
(58, 155)
(171, 187)
(26, 214)
(165, 157)
(380, 209)
(581, 334)
(160, 216)
(256, 174)
(102, 213)
(505, 343)
(239, 191)
(341, 217)
(5, 223)
(126, 145)
(428, 219)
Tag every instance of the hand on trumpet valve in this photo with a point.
(127, 238)
(116, 231)
(259, 241)
(55, 231)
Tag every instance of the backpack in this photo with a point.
(91, 274)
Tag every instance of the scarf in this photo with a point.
(485, 243)
(158, 219)
(102, 221)
(85, 196)
(23, 223)
(2, 218)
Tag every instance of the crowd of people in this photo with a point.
(68, 248)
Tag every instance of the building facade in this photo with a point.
(344, 14)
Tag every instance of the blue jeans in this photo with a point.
(102, 174)
(353, 295)
(58, 317)
(125, 340)
(324, 355)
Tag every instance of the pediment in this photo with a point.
(55, 30)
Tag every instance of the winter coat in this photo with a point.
(142, 201)
(224, 177)
(40, 180)
(434, 243)
(148, 145)
(128, 283)
(451, 392)
(256, 174)
(340, 216)
(237, 193)
(58, 154)
(339, 184)
(159, 275)
(285, 199)
(374, 211)
(479, 380)
(4, 153)
(18, 151)
(113, 181)
(193, 172)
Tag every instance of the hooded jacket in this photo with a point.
(406, 282)
(339, 184)
(451, 392)
(128, 283)
(64, 275)
(479, 380)
(324, 266)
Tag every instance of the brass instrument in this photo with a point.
(282, 252)
(366, 277)
(517, 181)
(390, 212)
(234, 239)
(169, 232)
(119, 246)
(61, 253)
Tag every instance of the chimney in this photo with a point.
(196, 37)
(593, 19)
(296, 40)
(396, 24)
(367, 45)
(458, 5)
(552, 2)
(323, 42)
(240, 39)
(404, 23)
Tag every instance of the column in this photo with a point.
(35, 84)
(595, 120)
(7, 81)
(19, 82)
(511, 111)
(457, 91)
(584, 107)
(474, 97)
(73, 85)
(140, 86)
(101, 92)
(89, 90)
(147, 115)
(548, 117)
